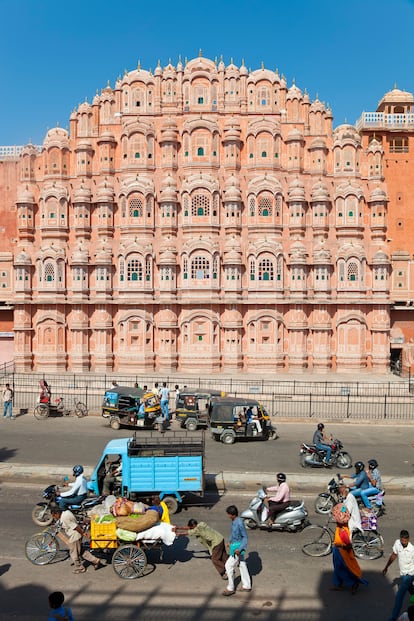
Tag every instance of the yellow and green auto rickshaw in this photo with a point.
(236, 418)
(192, 407)
(132, 407)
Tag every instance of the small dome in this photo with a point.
(168, 192)
(56, 137)
(294, 92)
(378, 195)
(243, 70)
(22, 259)
(25, 195)
(296, 191)
(106, 136)
(158, 70)
(105, 193)
(317, 106)
(82, 195)
(167, 257)
(397, 96)
(294, 134)
(232, 189)
(80, 255)
(380, 258)
(319, 192)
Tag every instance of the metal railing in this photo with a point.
(284, 398)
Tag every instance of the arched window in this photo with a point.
(134, 270)
(353, 271)
(265, 206)
(200, 205)
(266, 270)
(200, 268)
(135, 208)
(200, 151)
(49, 272)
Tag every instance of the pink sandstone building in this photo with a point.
(200, 218)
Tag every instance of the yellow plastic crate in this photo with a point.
(103, 535)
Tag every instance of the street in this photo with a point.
(66, 441)
(287, 585)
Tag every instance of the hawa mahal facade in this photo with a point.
(204, 218)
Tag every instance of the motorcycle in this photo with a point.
(325, 501)
(292, 519)
(41, 512)
(312, 457)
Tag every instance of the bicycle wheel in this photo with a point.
(129, 561)
(41, 411)
(368, 545)
(316, 540)
(81, 409)
(324, 504)
(41, 548)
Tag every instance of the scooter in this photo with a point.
(292, 519)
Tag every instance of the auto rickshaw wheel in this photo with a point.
(191, 424)
(273, 435)
(172, 503)
(129, 561)
(228, 438)
(115, 423)
(81, 409)
(41, 411)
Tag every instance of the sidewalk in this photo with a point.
(305, 482)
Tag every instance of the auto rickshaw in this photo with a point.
(192, 407)
(233, 418)
(122, 405)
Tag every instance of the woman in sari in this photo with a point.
(346, 569)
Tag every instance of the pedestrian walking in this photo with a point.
(346, 568)
(237, 547)
(210, 539)
(8, 395)
(402, 550)
(59, 612)
(165, 395)
(74, 533)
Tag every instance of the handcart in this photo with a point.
(129, 559)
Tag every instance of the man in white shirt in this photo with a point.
(164, 398)
(404, 551)
(351, 504)
(78, 490)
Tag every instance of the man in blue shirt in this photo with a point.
(237, 549)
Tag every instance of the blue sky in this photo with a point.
(57, 53)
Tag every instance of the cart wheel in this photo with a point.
(41, 411)
(42, 548)
(129, 561)
(81, 409)
(172, 503)
(115, 423)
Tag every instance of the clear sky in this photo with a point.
(56, 53)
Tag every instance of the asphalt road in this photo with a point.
(287, 585)
(66, 441)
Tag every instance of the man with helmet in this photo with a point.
(78, 490)
(319, 440)
(375, 483)
(281, 499)
(360, 478)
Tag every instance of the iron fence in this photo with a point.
(283, 399)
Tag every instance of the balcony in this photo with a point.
(381, 120)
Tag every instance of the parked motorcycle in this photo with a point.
(312, 457)
(292, 519)
(41, 512)
(325, 501)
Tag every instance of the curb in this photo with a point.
(221, 481)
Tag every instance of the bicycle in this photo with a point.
(43, 410)
(317, 540)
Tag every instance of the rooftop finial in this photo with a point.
(262, 64)
(139, 65)
(200, 53)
